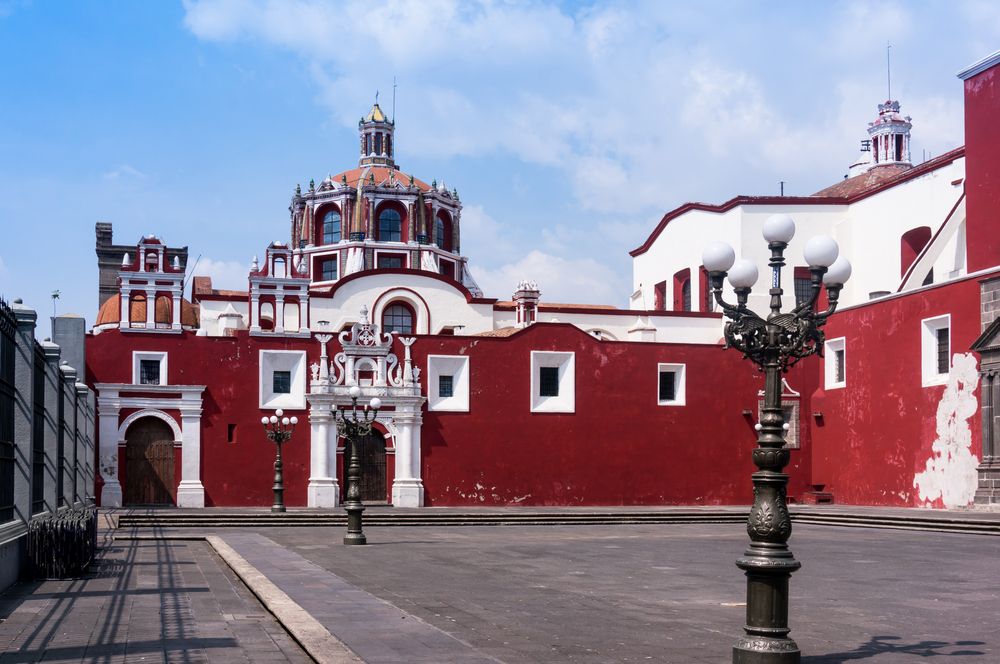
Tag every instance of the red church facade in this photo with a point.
(524, 402)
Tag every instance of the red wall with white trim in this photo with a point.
(982, 183)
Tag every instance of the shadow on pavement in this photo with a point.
(883, 645)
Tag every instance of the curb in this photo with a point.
(315, 639)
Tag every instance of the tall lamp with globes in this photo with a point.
(774, 343)
(279, 430)
(353, 428)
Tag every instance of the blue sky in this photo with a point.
(568, 128)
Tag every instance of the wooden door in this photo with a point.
(371, 453)
(149, 463)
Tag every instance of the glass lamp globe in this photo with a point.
(279, 412)
(839, 272)
(294, 420)
(375, 403)
(274, 419)
(355, 392)
(264, 420)
(743, 274)
(821, 251)
(284, 421)
(778, 228)
(718, 257)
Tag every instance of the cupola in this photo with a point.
(376, 138)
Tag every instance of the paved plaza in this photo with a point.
(628, 593)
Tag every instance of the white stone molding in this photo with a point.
(185, 398)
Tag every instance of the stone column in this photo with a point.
(190, 491)
(81, 454)
(407, 487)
(125, 316)
(279, 313)
(323, 490)
(24, 375)
(69, 434)
(175, 322)
(255, 311)
(304, 311)
(53, 381)
(150, 308)
(108, 407)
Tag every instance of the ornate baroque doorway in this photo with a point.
(149, 463)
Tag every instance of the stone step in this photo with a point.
(919, 521)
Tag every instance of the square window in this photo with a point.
(935, 350)
(548, 381)
(670, 384)
(448, 383)
(282, 382)
(835, 363)
(390, 261)
(149, 368)
(149, 372)
(553, 382)
(328, 269)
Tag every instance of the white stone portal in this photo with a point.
(398, 386)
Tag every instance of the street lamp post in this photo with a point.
(279, 429)
(353, 428)
(774, 344)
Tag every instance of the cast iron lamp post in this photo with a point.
(353, 428)
(279, 429)
(774, 344)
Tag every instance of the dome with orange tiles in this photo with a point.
(110, 311)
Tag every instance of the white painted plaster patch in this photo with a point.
(951, 471)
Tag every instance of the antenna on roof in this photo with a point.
(376, 97)
(782, 185)
(888, 71)
(393, 100)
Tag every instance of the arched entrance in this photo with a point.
(149, 463)
(371, 455)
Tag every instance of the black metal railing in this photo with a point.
(38, 434)
(8, 326)
(62, 544)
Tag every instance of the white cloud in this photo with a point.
(226, 275)
(560, 279)
(124, 171)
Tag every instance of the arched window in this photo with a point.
(398, 317)
(682, 290)
(331, 227)
(442, 231)
(390, 226)
(911, 244)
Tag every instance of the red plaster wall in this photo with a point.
(982, 183)
(876, 433)
(238, 473)
(619, 447)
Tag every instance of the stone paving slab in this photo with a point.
(375, 630)
(143, 601)
(642, 593)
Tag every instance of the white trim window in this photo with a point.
(553, 382)
(671, 382)
(149, 368)
(283, 379)
(935, 350)
(835, 363)
(448, 383)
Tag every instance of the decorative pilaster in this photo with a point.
(150, 308)
(190, 491)
(323, 490)
(407, 486)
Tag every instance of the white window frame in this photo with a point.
(680, 384)
(456, 366)
(929, 375)
(405, 255)
(317, 259)
(282, 360)
(566, 363)
(138, 356)
(830, 365)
